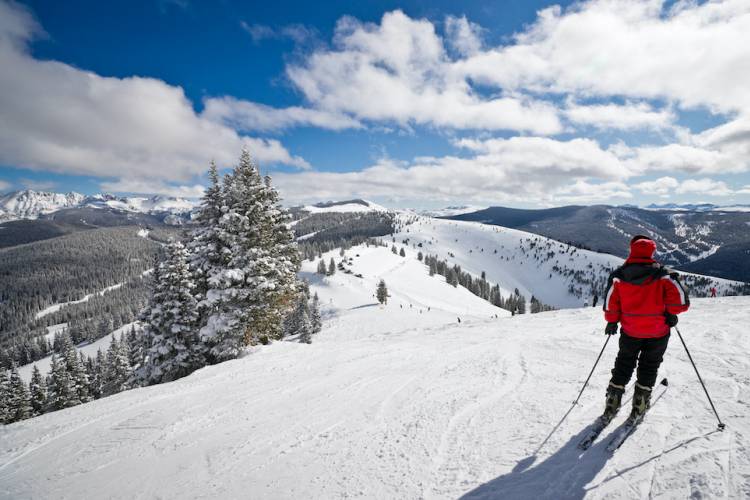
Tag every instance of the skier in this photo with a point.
(596, 299)
(713, 291)
(645, 298)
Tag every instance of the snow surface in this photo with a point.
(390, 403)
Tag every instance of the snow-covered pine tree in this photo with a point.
(331, 267)
(96, 382)
(322, 268)
(382, 292)
(250, 293)
(76, 369)
(61, 387)
(175, 349)
(19, 406)
(117, 369)
(315, 321)
(4, 396)
(38, 392)
(402, 253)
(305, 327)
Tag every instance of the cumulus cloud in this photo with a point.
(59, 118)
(399, 71)
(529, 170)
(690, 53)
(463, 36)
(659, 187)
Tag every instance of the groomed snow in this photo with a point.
(390, 403)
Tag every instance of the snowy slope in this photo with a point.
(387, 403)
(514, 259)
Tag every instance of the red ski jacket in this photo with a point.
(641, 291)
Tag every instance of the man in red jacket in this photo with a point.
(645, 298)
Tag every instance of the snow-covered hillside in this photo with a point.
(390, 402)
(556, 273)
(343, 207)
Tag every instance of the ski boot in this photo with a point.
(614, 400)
(641, 402)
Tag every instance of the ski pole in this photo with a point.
(721, 424)
(592, 370)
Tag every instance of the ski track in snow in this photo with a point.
(389, 402)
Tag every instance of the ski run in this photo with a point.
(403, 401)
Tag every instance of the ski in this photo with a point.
(599, 425)
(623, 433)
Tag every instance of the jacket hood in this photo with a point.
(641, 251)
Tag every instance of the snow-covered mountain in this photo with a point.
(403, 401)
(357, 205)
(451, 210)
(698, 207)
(30, 204)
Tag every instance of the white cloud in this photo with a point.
(631, 116)
(399, 72)
(694, 53)
(4, 186)
(464, 36)
(706, 186)
(529, 170)
(149, 187)
(659, 187)
(251, 116)
(58, 118)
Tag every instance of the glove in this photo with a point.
(671, 319)
(611, 329)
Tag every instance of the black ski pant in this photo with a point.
(647, 353)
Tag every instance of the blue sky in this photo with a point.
(422, 103)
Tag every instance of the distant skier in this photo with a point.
(595, 300)
(713, 291)
(459, 320)
(645, 298)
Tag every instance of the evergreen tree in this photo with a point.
(382, 292)
(61, 387)
(315, 321)
(38, 392)
(4, 396)
(322, 268)
(19, 406)
(420, 256)
(305, 327)
(175, 349)
(331, 267)
(250, 292)
(402, 253)
(96, 381)
(116, 369)
(76, 369)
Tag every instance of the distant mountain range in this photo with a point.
(714, 242)
(30, 204)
